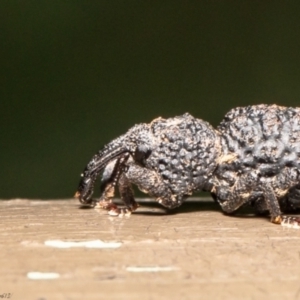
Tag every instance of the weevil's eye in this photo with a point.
(142, 152)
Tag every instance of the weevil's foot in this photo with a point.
(106, 204)
(290, 222)
(114, 210)
(277, 219)
(123, 211)
(120, 212)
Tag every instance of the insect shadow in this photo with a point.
(191, 207)
(148, 207)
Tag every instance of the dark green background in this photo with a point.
(76, 74)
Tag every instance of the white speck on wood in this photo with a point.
(151, 269)
(87, 244)
(42, 275)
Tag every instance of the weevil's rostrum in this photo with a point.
(253, 157)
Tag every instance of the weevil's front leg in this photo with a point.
(110, 177)
(127, 195)
(113, 175)
(151, 183)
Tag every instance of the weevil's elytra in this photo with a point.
(253, 157)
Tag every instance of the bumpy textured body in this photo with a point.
(253, 157)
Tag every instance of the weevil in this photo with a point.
(251, 158)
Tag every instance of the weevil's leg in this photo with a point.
(275, 212)
(127, 196)
(291, 202)
(151, 183)
(260, 205)
(272, 203)
(274, 209)
(234, 193)
(108, 183)
(232, 196)
(232, 203)
(110, 177)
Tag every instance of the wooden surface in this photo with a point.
(194, 253)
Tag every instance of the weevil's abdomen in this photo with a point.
(266, 142)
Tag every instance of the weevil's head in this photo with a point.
(137, 142)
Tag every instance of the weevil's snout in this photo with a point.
(85, 189)
(136, 142)
(79, 197)
(98, 162)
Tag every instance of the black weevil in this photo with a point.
(253, 157)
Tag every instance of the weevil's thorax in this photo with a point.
(185, 153)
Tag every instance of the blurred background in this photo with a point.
(76, 74)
